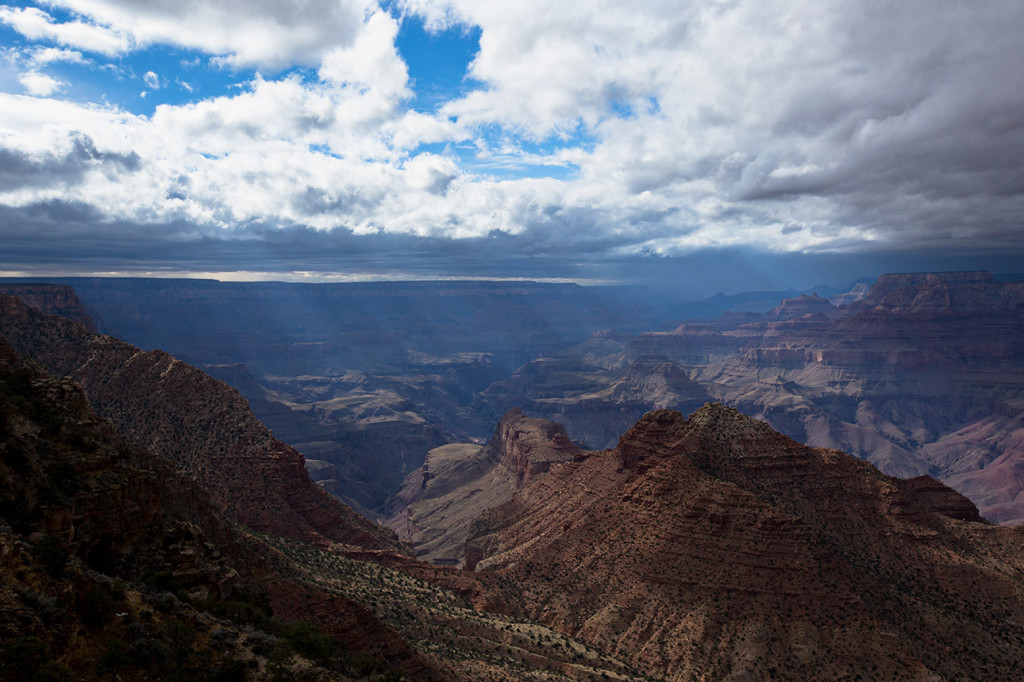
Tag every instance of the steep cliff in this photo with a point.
(66, 473)
(115, 565)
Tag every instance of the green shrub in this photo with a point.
(163, 581)
(308, 640)
(180, 638)
(231, 670)
(146, 652)
(54, 672)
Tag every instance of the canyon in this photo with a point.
(917, 373)
(362, 378)
(710, 546)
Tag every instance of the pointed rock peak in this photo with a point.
(728, 423)
(513, 415)
(653, 434)
(714, 431)
(659, 420)
(714, 422)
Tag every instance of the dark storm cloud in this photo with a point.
(181, 247)
(19, 169)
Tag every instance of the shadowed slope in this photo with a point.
(201, 424)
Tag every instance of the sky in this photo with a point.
(696, 145)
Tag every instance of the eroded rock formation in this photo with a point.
(458, 482)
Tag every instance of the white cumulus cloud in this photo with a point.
(243, 32)
(40, 84)
(35, 24)
(782, 125)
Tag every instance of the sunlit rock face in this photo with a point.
(715, 546)
(458, 482)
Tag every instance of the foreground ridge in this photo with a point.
(714, 547)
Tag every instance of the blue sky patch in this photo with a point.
(437, 62)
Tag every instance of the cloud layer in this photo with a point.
(601, 130)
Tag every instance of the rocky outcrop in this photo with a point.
(54, 299)
(458, 482)
(525, 447)
(714, 547)
(793, 308)
(202, 425)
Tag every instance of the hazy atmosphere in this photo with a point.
(707, 144)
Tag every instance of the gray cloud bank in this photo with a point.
(76, 243)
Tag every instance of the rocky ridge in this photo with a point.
(716, 548)
(923, 373)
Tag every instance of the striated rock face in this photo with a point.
(195, 421)
(949, 293)
(55, 299)
(458, 482)
(716, 548)
(925, 375)
(526, 447)
(688, 344)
